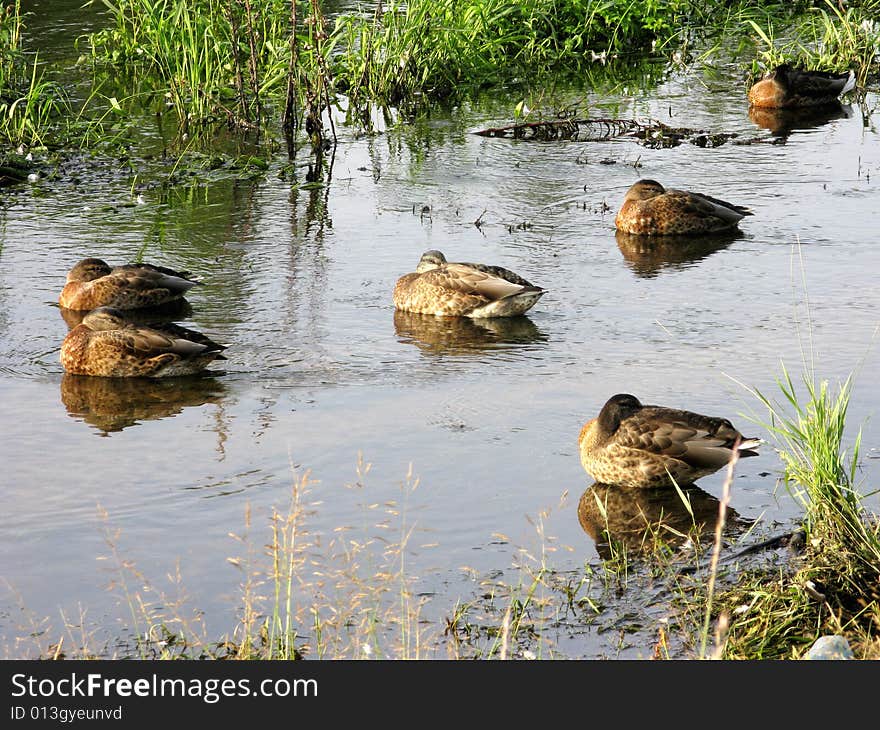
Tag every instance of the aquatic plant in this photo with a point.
(432, 48)
(829, 38)
(10, 45)
(248, 63)
(779, 615)
(223, 60)
(29, 103)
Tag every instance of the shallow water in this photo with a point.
(322, 372)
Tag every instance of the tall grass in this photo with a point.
(30, 105)
(10, 45)
(238, 59)
(830, 37)
(834, 585)
(835, 589)
(206, 52)
(434, 47)
(821, 471)
(224, 60)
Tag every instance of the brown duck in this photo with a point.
(442, 288)
(635, 445)
(93, 283)
(649, 209)
(107, 345)
(787, 87)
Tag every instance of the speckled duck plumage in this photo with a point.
(107, 345)
(637, 445)
(649, 209)
(462, 289)
(93, 283)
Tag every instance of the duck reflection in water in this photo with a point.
(112, 404)
(463, 335)
(641, 519)
(782, 122)
(648, 256)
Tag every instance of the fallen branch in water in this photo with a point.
(651, 132)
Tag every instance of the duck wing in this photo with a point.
(468, 279)
(700, 441)
(146, 277)
(157, 270)
(177, 332)
(498, 271)
(818, 84)
(706, 205)
(145, 342)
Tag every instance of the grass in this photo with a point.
(11, 58)
(219, 61)
(346, 595)
(432, 48)
(836, 589)
(29, 103)
(828, 38)
(667, 587)
(406, 54)
(252, 63)
(257, 68)
(352, 594)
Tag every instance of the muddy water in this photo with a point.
(323, 375)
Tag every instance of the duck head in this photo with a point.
(88, 270)
(616, 409)
(430, 260)
(644, 190)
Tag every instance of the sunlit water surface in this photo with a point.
(469, 429)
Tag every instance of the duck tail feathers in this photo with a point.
(747, 447)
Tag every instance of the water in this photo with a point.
(322, 374)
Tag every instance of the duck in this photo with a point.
(649, 209)
(634, 445)
(788, 87)
(93, 283)
(106, 344)
(461, 289)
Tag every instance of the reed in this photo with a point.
(432, 48)
(829, 37)
(832, 586)
(30, 104)
(239, 63)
